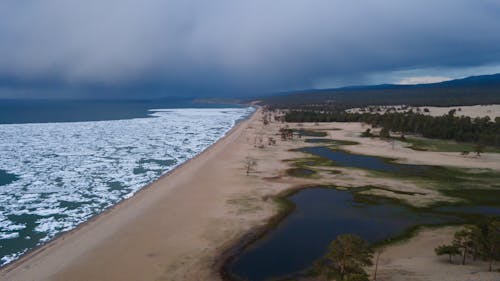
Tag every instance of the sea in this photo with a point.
(63, 162)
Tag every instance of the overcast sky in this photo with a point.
(100, 48)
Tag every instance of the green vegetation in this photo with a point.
(475, 196)
(481, 240)
(424, 144)
(367, 133)
(397, 191)
(462, 129)
(311, 133)
(345, 142)
(345, 259)
(384, 133)
(332, 142)
(471, 186)
(301, 172)
(450, 250)
(311, 161)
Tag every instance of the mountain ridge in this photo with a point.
(480, 89)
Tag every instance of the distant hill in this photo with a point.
(484, 89)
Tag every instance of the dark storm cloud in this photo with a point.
(227, 46)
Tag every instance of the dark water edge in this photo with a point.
(44, 111)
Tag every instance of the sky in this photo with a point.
(167, 48)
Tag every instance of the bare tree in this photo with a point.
(378, 252)
(249, 165)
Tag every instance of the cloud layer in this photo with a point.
(226, 46)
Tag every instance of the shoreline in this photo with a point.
(257, 233)
(40, 248)
(34, 253)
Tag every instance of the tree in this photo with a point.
(464, 240)
(367, 133)
(478, 148)
(378, 253)
(490, 243)
(493, 242)
(249, 164)
(384, 133)
(461, 241)
(449, 126)
(481, 240)
(346, 256)
(449, 250)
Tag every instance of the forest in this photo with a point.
(449, 126)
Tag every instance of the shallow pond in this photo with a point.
(320, 215)
(346, 159)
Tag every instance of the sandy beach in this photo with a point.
(179, 226)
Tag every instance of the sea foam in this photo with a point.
(68, 172)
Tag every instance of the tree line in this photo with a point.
(480, 130)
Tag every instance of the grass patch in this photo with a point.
(311, 133)
(409, 233)
(301, 172)
(372, 199)
(471, 186)
(475, 196)
(331, 141)
(398, 191)
(313, 161)
(437, 145)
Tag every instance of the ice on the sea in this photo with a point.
(69, 172)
